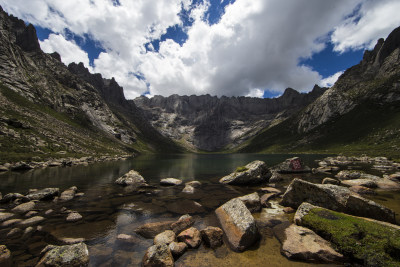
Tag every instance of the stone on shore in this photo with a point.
(238, 224)
(252, 202)
(336, 198)
(374, 243)
(166, 237)
(177, 248)
(158, 255)
(24, 207)
(299, 243)
(212, 236)
(170, 181)
(5, 256)
(190, 237)
(131, 178)
(44, 194)
(69, 255)
(253, 173)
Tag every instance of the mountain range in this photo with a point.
(48, 109)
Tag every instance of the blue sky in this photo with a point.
(221, 47)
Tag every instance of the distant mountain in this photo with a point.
(209, 123)
(360, 113)
(48, 110)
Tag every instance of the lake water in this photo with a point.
(109, 209)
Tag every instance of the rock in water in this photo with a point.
(335, 198)
(158, 255)
(69, 255)
(253, 173)
(170, 181)
(212, 236)
(191, 237)
(22, 208)
(300, 243)
(5, 257)
(293, 165)
(44, 194)
(68, 194)
(165, 237)
(177, 248)
(252, 202)
(150, 230)
(238, 224)
(131, 178)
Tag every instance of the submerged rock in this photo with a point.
(212, 236)
(253, 173)
(69, 255)
(131, 178)
(44, 194)
(170, 181)
(335, 198)
(299, 243)
(238, 224)
(158, 255)
(374, 243)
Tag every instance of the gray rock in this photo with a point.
(170, 181)
(303, 244)
(32, 221)
(212, 236)
(158, 255)
(184, 222)
(253, 173)
(238, 224)
(177, 248)
(69, 255)
(191, 237)
(165, 237)
(330, 181)
(5, 257)
(252, 201)
(13, 196)
(22, 208)
(336, 198)
(127, 239)
(293, 165)
(131, 178)
(73, 217)
(68, 194)
(44, 194)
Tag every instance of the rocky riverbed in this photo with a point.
(178, 222)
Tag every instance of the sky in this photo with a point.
(252, 48)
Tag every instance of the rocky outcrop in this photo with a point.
(253, 173)
(211, 123)
(336, 198)
(76, 255)
(238, 224)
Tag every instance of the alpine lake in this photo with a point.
(109, 209)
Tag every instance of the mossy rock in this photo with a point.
(368, 242)
(241, 169)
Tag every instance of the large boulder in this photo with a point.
(158, 255)
(238, 224)
(69, 255)
(44, 194)
(371, 242)
(253, 173)
(335, 198)
(131, 178)
(293, 165)
(299, 243)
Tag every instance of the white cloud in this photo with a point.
(330, 81)
(256, 44)
(68, 50)
(256, 93)
(375, 19)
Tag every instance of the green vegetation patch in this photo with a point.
(367, 242)
(241, 169)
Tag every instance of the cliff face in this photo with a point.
(66, 110)
(211, 123)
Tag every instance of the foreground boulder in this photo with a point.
(335, 198)
(158, 255)
(238, 224)
(131, 178)
(371, 242)
(299, 243)
(69, 255)
(293, 165)
(44, 194)
(253, 173)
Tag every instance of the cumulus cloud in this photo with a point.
(256, 93)
(375, 19)
(330, 81)
(68, 50)
(256, 45)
